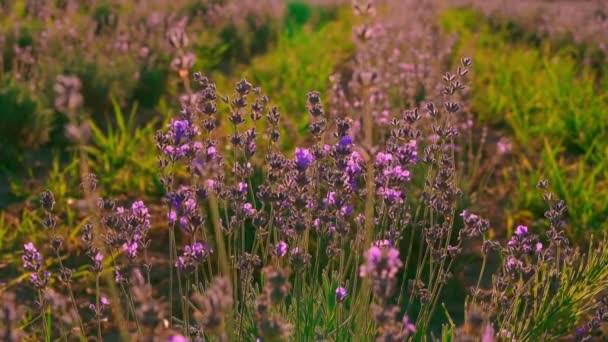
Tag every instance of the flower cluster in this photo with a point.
(194, 255)
(178, 142)
(381, 267)
(184, 209)
(213, 306)
(125, 229)
(33, 262)
(276, 288)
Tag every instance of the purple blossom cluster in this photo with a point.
(194, 255)
(184, 209)
(124, 229)
(33, 263)
(381, 267)
(179, 140)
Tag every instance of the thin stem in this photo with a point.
(98, 313)
(43, 316)
(72, 299)
(483, 268)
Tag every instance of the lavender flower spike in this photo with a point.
(341, 294)
(303, 158)
(521, 230)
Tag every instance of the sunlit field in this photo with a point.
(303, 170)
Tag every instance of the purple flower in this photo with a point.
(468, 217)
(211, 184)
(345, 141)
(118, 276)
(397, 173)
(331, 228)
(504, 146)
(316, 223)
(194, 254)
(373, 255)
(243, 188)
(408, 326)
(346, 210)
(513, 264)
(139, 209)
(34, 277)
(197, 146)
(179, 138)
(29, 247)
(381, 263)
(341, 293)
(521, 230)
(488, 334)
(130, 248)
(104, 301)
(248, 209)
(172, 216)
(199, 251)
(281, 248)
(211, 152)
(97, 262)
(580, 332)
(303, 158)
(32, 259)
(183, 222)
(407, 154)
(180, 263)
(539, 246)
(354, 164)
(391, 195)
(189, 205)
(383, 159)
(310, 204)
(197, 248)
(330, 199)
(40, 282)
(177, 338)
(178, 128)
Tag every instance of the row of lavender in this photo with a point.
(355, 234)
(585, 22)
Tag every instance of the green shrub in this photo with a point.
(23, 121)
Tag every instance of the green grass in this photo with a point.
(122, 156)
(555, 108)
